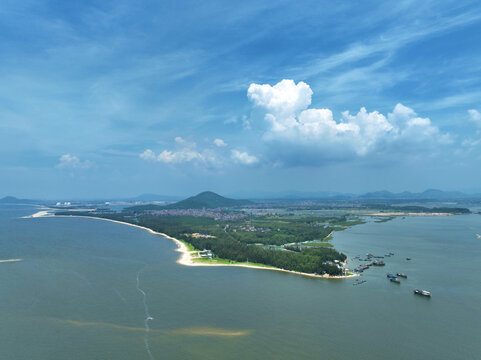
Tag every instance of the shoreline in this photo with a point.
(406, 214)
(186, 258)
(10, 260)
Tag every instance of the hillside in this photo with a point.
(207, 199)
(14, 200)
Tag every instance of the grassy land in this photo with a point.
(320, 244)
(189, 247)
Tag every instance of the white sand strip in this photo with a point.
(42, 213)
(10, 260)
(404, 214)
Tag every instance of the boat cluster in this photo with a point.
(394, 278)
(370, 257)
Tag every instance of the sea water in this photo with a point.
(92, 289)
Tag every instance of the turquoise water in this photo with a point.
(79, 294)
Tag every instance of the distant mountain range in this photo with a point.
(209, 199)
(14, 200)
(431, 194)
(155, 197)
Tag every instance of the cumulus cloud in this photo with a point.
(186, 152)
(68, 161)
(220, 143)
(180, 156)
(284, 99)
(148, 155)
(475, 116)
(314, 134)
(244, 158)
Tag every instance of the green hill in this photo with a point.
(207, 199)
(14, 200)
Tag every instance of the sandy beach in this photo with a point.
(406, 214)
(186, 257)
(42, 213)
(10, 260)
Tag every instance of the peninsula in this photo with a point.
(293, 236)
(218, 231)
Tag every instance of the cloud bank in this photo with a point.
(298, 134)
(187, 152)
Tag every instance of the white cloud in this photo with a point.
(186, 153)
(244, 158)
(148, 155)
(285, 98)
(475, 116)
(68, 161)
(246, 124)
(179, 156)
(220, 143)
(315, 131)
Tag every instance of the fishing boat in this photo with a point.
(402, 275)
(359, 282)
(422, 292)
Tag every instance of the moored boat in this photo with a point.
(359, 282)
(402, 275)
(422, 292)
(395, 280)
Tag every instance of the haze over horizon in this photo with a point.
(115, 99)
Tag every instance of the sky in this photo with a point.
(102, 99)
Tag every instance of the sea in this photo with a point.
(92, 289)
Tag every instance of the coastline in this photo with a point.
(406, 214)
(186, 257)
(10, 260)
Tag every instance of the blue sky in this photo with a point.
(107, 99)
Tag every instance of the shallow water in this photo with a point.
(90, 289)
